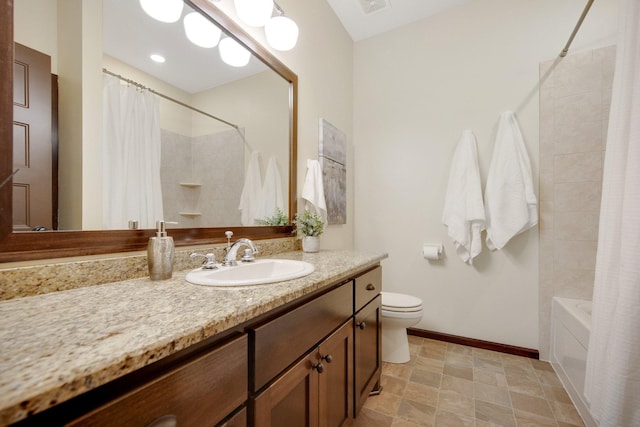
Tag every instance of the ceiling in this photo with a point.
(130, 36)
(384, 15)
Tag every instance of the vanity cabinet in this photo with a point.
(316, 391)
(310, 363)
(200, 392)
(367, 335)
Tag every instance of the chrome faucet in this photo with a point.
(232, 252)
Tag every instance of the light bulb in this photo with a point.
(200, 31)
(281, 33)
(254, 13)
(232, 53)
(163, 10)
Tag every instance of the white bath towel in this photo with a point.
(510, 202)
(271, 198)
(463, 212)
(313, 190)
(250, 198)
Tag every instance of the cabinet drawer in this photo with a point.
(367, 287)
(281, 341)
(199, 392)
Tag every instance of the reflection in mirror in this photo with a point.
(76, 188)
(127, 156)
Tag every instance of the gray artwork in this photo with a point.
(333, 158)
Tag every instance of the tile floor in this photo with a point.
(453, 385)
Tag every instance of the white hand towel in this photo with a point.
(463, 212)
(510, 202)
(313, 190)
(271, 199)
(251, 192)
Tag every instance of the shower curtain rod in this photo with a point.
(575, 30)
(141, 86)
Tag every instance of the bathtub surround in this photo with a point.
(202, 178)
(612, 383)
(575, 96)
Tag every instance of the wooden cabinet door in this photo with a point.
(292, 400)
(368, 350)
(336, 379)
(32, 140)
(200, 392)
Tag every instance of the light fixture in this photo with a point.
(157, 58)
(163, 10)
(281, 33)
(254, 13)
(201, 31)
(232, 53)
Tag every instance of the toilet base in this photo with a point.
(395, 345)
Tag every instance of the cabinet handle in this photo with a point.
(362, 325)
(164, 421)
(327, 358)
(319, 367)
(371, 287)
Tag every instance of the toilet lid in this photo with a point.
(397, 302)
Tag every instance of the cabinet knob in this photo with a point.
(371, 287)
(362, 325)
(319, 367)
(164, 421)
(327, 358)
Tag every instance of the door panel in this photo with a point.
(32, 142)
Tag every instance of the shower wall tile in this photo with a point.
(577, 196)
(575, 98)
(578, 167)
(574, 283)
(574, 136)
(575, 254)
(576, 226)
(580, 108)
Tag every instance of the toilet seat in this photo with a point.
(400, 303)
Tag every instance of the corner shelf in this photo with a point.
(191, 184)
(190, 213)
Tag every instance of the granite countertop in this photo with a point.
(62, 344)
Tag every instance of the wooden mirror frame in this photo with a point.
(21, 246)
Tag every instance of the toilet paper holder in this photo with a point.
(432, 251)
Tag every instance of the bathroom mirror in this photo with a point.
(19, 245)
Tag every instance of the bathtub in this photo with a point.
(570, 329)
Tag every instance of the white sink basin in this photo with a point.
(259, 272)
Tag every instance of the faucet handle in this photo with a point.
(248, 256)
(209, 262)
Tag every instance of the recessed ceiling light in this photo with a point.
(157, 58)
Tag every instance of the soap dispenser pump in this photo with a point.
(160, 253)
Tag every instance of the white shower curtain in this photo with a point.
(612, 383)
(131, 156)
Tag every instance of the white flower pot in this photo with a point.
(311, 243)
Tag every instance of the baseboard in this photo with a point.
(472, 342)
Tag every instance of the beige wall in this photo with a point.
(323, 61)
(574, 113)
(416, 89)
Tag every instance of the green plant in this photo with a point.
(279, 218)
(308, 223)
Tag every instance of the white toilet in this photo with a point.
(399, 311)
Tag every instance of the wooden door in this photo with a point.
(368, 350)
(336, 379)
(32, 140)
(292, 400)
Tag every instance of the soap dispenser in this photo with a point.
(160, 253)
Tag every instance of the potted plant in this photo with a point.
(311, 226)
